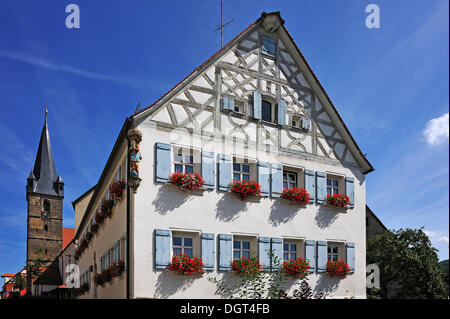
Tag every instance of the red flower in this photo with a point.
(338, 200)
(187, 181)
(116, 189)
(245, 189)
(186, 265)
(295, 267)
(338, 268)
(246, 266)
(296, 194)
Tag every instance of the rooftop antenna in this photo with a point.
(221, 24)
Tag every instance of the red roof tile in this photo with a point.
(67, 236)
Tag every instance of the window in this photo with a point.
(46, 227)
(107, 260)
(268, 45)
(183, 163)
(238, 107)
(289, 179)
(289, 251)
(241, 248)
(118, 174)
(266, 111)
(116, 252)
(183, 245)
(296, 121)
(332, 186)
(102, 263)
(46, 205)
(241, 172)
(333, 253)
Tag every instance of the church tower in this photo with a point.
(45, 193)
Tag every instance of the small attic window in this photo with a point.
(268, 45)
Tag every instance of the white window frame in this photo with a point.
(332, 189)
(331, 253)
(289, 251)
(241, 171)
(179, 157)
(241, 250)
(116, 252)
(289, 173)
(183, 246)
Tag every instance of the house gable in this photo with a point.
(240, 69)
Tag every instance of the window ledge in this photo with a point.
(336, 209)
(292, 202)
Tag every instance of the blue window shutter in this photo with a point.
(350, 254)
(281, 104)
(277, 248)
(263, 252)
(225, 252)
(224, 172)
(208, 169)
(257, 105)
(162, 248)
(305, 123)
(162, 162)
(321, 187)
(227, 103)
(350, 190)
(276, 180)
(264, 178)
(321, 256)
(310, 253)
(268, 45)
(207, 251)
(310, 184)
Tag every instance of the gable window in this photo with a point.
(289, 251)
(289, 179)
(266, 111)
(183, 245)
(183, 163)
(268, 45)
(333, 252)
(241, 172)
(241, 248)
(296, 121)
(238, 107)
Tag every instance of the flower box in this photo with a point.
(117, 268)
(187, 181)
(116, 190)
(106, 207)
(246, 266)
(338, 200)
(186, 265)
(296, 195)
(244, 189)
(297, 268)
(338, 268)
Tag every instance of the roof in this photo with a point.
(50, 276)
(67, 236)
(8, 275)
(44, 171)
(368, 210)
(228, 45)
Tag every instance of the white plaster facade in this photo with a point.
(191, 116)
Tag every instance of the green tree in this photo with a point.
(409, 265)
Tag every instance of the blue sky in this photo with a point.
(390, 85)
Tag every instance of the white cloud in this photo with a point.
(436, 235)
(436, 131)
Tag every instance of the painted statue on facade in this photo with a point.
(135, 137)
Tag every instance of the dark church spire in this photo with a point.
(44, 166)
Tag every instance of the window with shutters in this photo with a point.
(293, 177)
(241, 248)
(186, 243)
(186, 160)
(289, 179)
(293, 248)
(335, 251)
(116, 252)
(238, 107)
(296, 121)
(118, 174)
(335, 184)
(243, 169)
